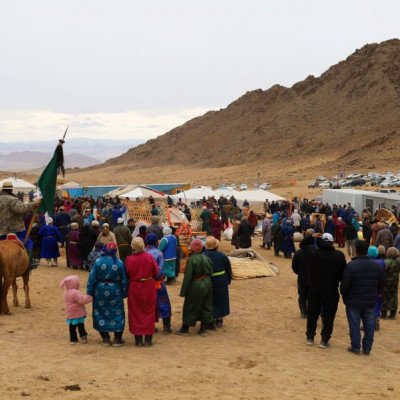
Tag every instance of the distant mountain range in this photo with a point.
(79, 153)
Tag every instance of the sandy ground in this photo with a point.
(259, 354)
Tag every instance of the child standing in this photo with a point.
(75, 311)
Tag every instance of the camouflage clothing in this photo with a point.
(12, 212)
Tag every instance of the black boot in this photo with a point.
(184, 330)
(203, 329)
(219, 322)
(118, 342)
(384, 314)
(138, 341)
(167, 326)
(377, 324)
(212, 326)
(392, 314)
(106, 338)
(148, 340)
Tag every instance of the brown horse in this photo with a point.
(14, 262)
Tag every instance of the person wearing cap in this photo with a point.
(163, 303)
(301, 267)
(326, 268)
(50, 237)
(62, 220)
(168, 246)
(361, 284)
(221, 279)
(197, 290)
(123, 237)
(12, 213)
(142, 271)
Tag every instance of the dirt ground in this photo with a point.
(259, 354)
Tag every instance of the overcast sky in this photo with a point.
(127, 68)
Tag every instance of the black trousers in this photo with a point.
(326, 307)
(73, 337)
(303, 291)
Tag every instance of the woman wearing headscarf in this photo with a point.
(86, 241)
(163, 303)
(74, 259)
(168, 246)
(50, 237)
(340, 237)
(197, 291)
(221, 279)
(108, 285)
(106, 236)
(142, 271)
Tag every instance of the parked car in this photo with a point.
(233, 186)
(353, 176)
(358, 182)
(385, 183)
(243, 186)
(265, 186)
(388, 191)
(326, 184)
(313, 185)
(320, 179)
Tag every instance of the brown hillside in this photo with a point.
(348, 117)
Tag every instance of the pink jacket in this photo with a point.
(74, 300)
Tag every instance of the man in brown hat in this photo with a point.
(12, 212)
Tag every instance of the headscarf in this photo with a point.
(74, 225)
(167, 231)
(373, 252)
(151, 239)
(392, 252)
(110, 249)
(49, 220)
(137, 244)
(381, 249)
(196, 246)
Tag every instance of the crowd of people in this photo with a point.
(138, 261)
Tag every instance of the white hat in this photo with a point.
(49, 220)
(327, 237)
(120, 220)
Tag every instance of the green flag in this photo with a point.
(47, 182)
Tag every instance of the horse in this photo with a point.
(14, 262)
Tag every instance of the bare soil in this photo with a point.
(259, 354)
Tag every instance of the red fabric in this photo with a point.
(142, 295)
(339, 233)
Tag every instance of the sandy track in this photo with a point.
(259, 354)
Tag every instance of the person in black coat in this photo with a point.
(351, 236)
(326, 269)
(362, 282)
(301, 267)
(367, 231)
(86, 242)
(244, 234)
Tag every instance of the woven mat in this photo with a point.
(246, 268)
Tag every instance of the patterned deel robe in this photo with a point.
(390, 290)
(108, 285)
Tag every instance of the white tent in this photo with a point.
(226, 192)
(143, 192)
(195, 194)
(19, 185)
(70, 185)
(257, 195)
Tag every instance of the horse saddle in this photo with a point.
(14, 238)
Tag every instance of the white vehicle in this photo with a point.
(353, 176)
(265, 186)
(388, 191)
(385, 183)
(320, 179)
(233, 186)
(326, 184)
(243, 186)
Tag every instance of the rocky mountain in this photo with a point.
(348, 118)
(36, 161)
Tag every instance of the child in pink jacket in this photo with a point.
(75, 311)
